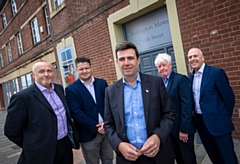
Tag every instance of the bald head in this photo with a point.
(195, 58)
(42, 73)
(40, 63)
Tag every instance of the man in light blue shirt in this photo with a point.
(214, 102)
(138, 114)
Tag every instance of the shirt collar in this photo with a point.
(167, 76)
(201, 69)
(138, 79)
(42, 88)
(86, 82)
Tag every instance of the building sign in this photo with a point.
(149, 32)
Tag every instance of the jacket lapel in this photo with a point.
(120, 101)
(38, 94)
(170, 81)
(86, 92)
(145, 96)
(204, 79)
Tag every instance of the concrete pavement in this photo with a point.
(9, 152)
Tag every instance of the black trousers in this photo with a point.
(64, 154)
(220, 149)
(184, 152)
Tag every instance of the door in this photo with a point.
(147, 60)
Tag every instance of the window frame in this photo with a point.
(47, 17)
(27, 81)
(1, 60)
(15, 85)
(9, 52)
(8, 92)
(67, 60)
(19, 43)
(35, 31)
(14, 7)
(57, 3)
(4, 18)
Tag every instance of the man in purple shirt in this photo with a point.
(39, 120)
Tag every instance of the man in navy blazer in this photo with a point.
(85, 98)
(39, 121)
(179, 91)
(214, 102)
(138, 113)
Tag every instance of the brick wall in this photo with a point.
(90, 32)
(214, 27)
(30, 50)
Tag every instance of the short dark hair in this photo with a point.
(124, 46)
(82, 59)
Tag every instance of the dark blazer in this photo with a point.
(83, 108)
(159, 116)
(180, 93)
(32, 124)
(216, 101)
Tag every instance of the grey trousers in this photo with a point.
(97, 149)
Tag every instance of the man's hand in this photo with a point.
(100, 128)
(183, 137)
(129, 152)
(151, 146)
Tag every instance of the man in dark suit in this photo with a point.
(214, 102)
(179, 91)
(39, 121)
(85, 98)
(138, 113)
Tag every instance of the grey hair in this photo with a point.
(162, 57)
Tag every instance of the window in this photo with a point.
(57, 3)
(47, 19)
(9, 52)
(19, 43)
(68, 65)
(4, 18)
(15, 87)
(1, 60)
(14, 7)
(35, 31)
(8, 92)
(26, 80)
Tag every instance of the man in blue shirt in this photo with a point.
(138, 113)
(213, 105)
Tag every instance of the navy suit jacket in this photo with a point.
(216, 101)
(32, 124)
(180, 93)
(159, 115)
(83, 108)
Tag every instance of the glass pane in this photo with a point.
(29, 79)
(69, 54)
(23, 82)
(63, 56)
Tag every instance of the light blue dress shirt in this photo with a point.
(197, 80)
(165, 81)
(134, 114)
